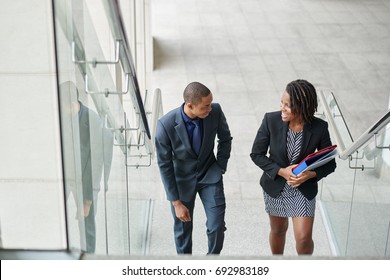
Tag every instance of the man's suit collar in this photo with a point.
(83, 114)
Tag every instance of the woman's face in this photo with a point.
(285, 108)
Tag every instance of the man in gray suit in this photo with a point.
(188, 165)
(96, 148)
(88, 151)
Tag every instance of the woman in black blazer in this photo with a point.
(284, 138)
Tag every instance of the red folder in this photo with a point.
(316, 159)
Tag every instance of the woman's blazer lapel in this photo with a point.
(283, 141)
(307, 133)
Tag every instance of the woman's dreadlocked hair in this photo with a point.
(303, 98)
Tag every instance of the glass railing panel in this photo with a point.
(140, 211)
(72, 164)
(335, 195)
(93, 162)
(387, 249)
(74, 156)
(140, 180)
(336, 190)
(107, 161)
(117, 204)
(370, 212)
(102, 88)
(355, 199)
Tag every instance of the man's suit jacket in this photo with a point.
(180, 168)
(272, 137)
(96, 149)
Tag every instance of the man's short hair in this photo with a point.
(194, 92)
(70, 90)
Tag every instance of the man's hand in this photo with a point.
(182, 212)
(84, 212)
(87, 207)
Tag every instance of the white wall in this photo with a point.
(31, 196)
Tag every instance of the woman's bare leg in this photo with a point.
(303, 231)
(277, 236)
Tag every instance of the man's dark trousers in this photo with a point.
(213, 199)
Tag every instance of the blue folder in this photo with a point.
(316, 159)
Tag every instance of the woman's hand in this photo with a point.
(297, 180)
(286, 172)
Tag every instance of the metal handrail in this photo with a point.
(122, 56)
(345, 153)
(157, 109)
(94, 62)
(367, 135)
(106, 91)
(331, 123)
(118, 31)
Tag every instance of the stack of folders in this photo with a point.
(316, 159)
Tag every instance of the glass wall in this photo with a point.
(71, 117)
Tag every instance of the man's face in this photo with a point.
(202, 109)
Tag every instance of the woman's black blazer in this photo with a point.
(269, 152)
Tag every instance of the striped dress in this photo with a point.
(290, 202)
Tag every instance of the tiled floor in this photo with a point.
(246, 51)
